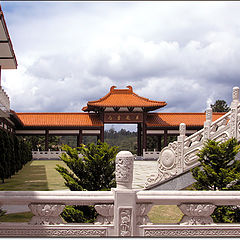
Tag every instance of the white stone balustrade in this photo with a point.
(180, 156)
(48, 154)
(123, 212)
(151, 154)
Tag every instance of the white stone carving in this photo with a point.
(142, 211)
(124, 169)
(106, 212)
(195, 232)
(125, 216)
(235, 94)
(190, 158)
(44, 232)
(182, 129)
(48, 214)
(197, 214)
(209, 114)
(167, 165)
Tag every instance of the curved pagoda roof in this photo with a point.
(123, 98)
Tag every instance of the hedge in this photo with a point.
(14, 154)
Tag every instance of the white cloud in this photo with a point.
(184, 53)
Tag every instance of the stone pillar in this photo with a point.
(207, 124)
(46, 139)
(235, 117)
(125, 198)
(180, 145)
(139, 140)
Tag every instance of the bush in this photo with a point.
(13, 154)
(219, 170)
(94, 171)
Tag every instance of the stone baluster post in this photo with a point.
(125, 197)
(180, 144)
(234, 118)
(207, 124)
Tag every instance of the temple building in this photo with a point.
(119, 106)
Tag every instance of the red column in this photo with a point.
(159, 142)
(139, 140)
(165, 138)
(79, 138)
(46, 139)
(144, 131)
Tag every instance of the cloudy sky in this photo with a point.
(68, 53)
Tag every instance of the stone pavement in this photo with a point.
(141, 171)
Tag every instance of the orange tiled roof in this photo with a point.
(59, 119)
(123, 98)
(174, 119)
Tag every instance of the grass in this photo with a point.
(17, 217)
(165, 214)
(40, 175)
(36, 176)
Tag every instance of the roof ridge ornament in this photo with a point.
(130, 88)
(112, 88)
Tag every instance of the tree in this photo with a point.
(94, 171)
(220, 106)
(219, 170)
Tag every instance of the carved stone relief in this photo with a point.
(48, 214)
(142, 211)
(197, 214)
(106, 212)
(125, 217)
(124, 166)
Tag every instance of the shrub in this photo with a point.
(94, 171)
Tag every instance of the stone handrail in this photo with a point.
(122, 211)
(180, 156)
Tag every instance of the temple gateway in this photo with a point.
(121, 106)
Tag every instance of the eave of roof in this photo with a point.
(59, 119)
(174, 119)
(123, 98)
(7, 56)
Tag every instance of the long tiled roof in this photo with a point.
(174, 119)
(92, 120)
(123, 98)
(59, 119)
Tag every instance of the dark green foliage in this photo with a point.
(220, 106)
(219, 170)
(93, 172)
(13, 154)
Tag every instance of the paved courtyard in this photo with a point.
(141, 171)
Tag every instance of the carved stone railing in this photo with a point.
(4, 101)
(180, 156)
(48, 154)
(151, 154)
(122, 211)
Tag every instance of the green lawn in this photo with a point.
(40, 175)
(36, 176)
